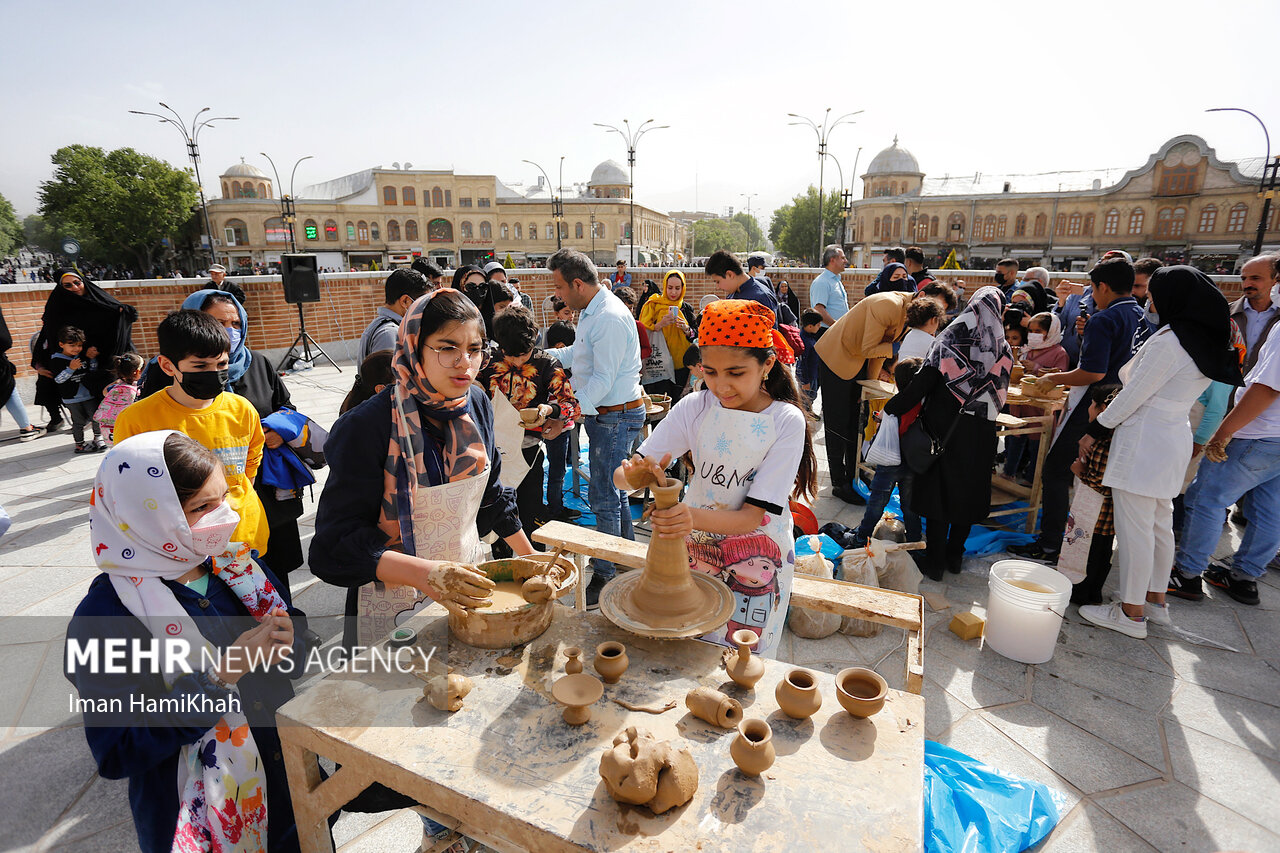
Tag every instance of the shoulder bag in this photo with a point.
(920, 449)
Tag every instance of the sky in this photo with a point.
(478, 87)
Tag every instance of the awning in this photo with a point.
(1216, 248)
(1027, 253)
(1069, 250)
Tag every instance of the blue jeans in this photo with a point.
(1253, 465)
(611, 436)
(886, 477)
(1016, 451)
(557, 457)
(19, 411)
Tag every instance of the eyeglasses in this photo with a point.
(451, 357)
(72, 284)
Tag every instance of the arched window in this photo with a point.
(893, 188)
(362, 232)
(236, 191)
(437, 197)
(577, 231)
(373, 231)
(533, 231)
(600, 230)
(1111, 223)
(1088, 224)
(1274, 224)
(410, 197)
(1073, 224)
(933, 227)
(351, 230)
(897, 226)
(955, 227)
(225, 192)
(276, 230)
(388, 195)
(875, 227)
(626, 231)
(1001, 224)
(1060, 226)
(235, 233)
(505, 231)
(486, 231)
(518, 234)
(1208, 218)
(310, 231)
(466, 230)
(330, 231)
(411, 229)
(1179, 222)
(1136, 219)
(551, 235)
(989, 228)
(911, 224)
(1237, 216)
(1020, 225)
(393, 231)
(439, 231)
(262, 191)
(1042, 224)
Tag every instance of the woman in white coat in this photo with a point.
(1151, 443)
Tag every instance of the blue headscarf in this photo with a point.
(240, 355)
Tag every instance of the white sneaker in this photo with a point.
(1113, 617)
(1157, 613)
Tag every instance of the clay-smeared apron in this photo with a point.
(757, 566)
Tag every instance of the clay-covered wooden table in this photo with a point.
(508, 771)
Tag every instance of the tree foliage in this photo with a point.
(120, 204)
(712, 235)
(11, 236)
(751, 225)
(778, 223)
(798, 234)
(37, 234)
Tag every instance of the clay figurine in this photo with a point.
(446, 691)
(645, 772)
(752, 750)
(611, 661)
(573, 665)
(861, 691)
(577, 692)
(798, 695)
(744, 668)
(707, 703)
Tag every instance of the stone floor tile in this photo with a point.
(400, 831)
(976, 736)
(971, 688)
(120, 838)
(1138, 687)
(1234, 777)
(1089, 829)
(1216, 624)
(95, 819)
(19, 667)
(1255, 726)
(1243, 675)
(321, 599)
(40, 778)
(1262, 627)
(941, 709)
(1173, 817)
(972, 656)
(47, 702)
(1124, 726)
(1080, 637)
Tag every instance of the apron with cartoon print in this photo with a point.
(757, 566)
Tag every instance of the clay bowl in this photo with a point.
(860, 691)
(493, 628)
(577, 693)
(528, 415)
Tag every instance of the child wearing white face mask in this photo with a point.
(1043, 353)
(204, 761)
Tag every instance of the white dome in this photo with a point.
(894, 161)
(244, 170)
(610, 173)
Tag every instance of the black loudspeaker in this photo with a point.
(301, 280)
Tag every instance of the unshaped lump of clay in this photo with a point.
(646, 772)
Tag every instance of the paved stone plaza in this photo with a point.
(1162, 744)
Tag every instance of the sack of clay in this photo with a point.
(859, 566)
(899, 573)
(812, 624)
(890, 529)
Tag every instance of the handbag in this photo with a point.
(920, 450)
(659, 366)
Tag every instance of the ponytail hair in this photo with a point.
(781, 386)
(126, 366)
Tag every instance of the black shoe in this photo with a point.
(55, 426)
(566, 514)
(593, 591)
(1033, 551)
(1185, 586)
(955, 564)
(1245, 592)
(312, 639)
(932, 569)
(1237, 517)
(848, 495)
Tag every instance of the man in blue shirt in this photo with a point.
(1071, 307)
(621, 278)
(726, 272)
(605, 358)
(1111, 337)
(827, 295)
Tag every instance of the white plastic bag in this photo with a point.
(885, 448)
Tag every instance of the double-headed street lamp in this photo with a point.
(557, 201)
(748, 197)
(823, 133)
(1270, 175)
(192, 137)
(287, 210)
(632, 138)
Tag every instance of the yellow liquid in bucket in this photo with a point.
(1031, 586)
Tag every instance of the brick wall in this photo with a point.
(350, 300)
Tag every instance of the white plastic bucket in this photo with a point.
(1023, 624)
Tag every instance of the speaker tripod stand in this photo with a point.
(290, 359)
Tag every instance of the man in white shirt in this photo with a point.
(827, 295)
(1254, 312)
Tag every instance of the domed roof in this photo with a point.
(610, 173)
(894, 161)
(244, 170)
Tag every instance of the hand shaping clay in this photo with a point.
(447, 691)
(707, 703)
(645, 772)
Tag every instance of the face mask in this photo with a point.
(235, 336)
(1152, 317)
(1275, 295)
(204, 384)
(1000, 279)
(212, 534)
(1035, 340)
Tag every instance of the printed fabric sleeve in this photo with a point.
(560, 393)
(775, 479)
(1214, 399)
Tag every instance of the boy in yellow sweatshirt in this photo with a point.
(194, 350)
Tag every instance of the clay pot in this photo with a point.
(861, 691)
(666, 591)
(528, 415)
(752, 750)
(611, 661)
(573, 665)
(707, 703)
(445, 692)
(744, 668)
(798, 695)
(577, 693)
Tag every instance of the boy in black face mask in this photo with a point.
(195, 351)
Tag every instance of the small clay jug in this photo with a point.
(752, 750)
(707, 703)
(573, 665)
(798, 695)
(861, 691)
(611, 661)
(744, 668)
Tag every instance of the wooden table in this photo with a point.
(509, 772)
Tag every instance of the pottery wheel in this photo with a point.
(717, 598)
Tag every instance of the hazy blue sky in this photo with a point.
(479, 86)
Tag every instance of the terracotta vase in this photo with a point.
(861, 691)
(573, 665)
(707, 703)
(611, 661)
(665, 589)
(744, 668)
(752, 750)
(798, 695)
(577, 693)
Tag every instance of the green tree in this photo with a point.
(799, 233)
(509, 262)
(37, 234)
(118, 204)
(778, 223)
(11, 236)
(755, 234)
(712, 235)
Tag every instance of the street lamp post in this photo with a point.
(287, 210)
(632, 138)
(557, 212)
(192, 137)
(1269, 167)
(823, 133)
(748, 197)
